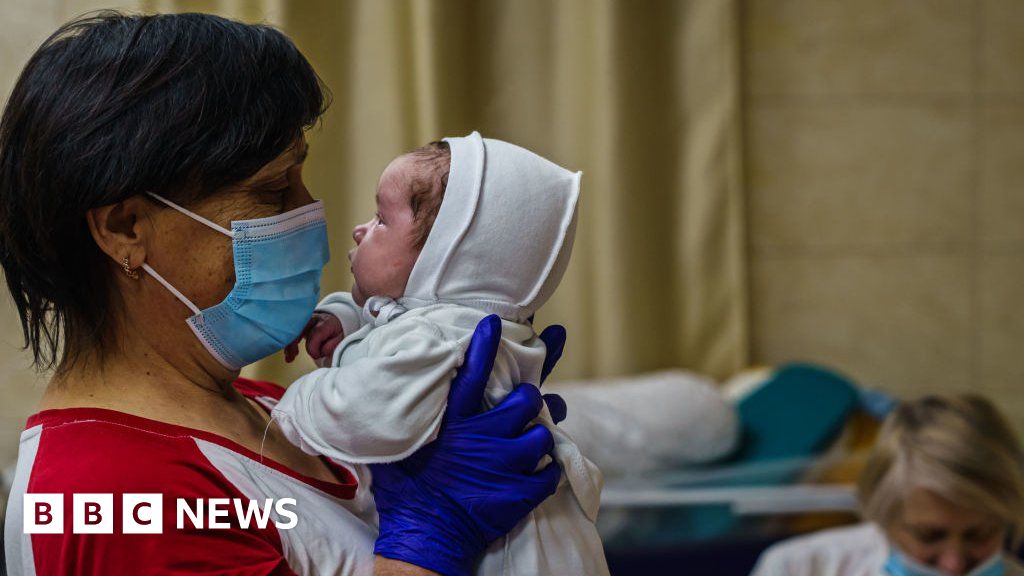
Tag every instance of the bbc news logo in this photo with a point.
(144, 513)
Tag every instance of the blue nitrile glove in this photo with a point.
(442, 506)
(554, 341)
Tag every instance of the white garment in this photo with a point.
(500, 244)
(404, 368)
(859, 550)
(643, 423)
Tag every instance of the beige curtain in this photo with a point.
(641, 96)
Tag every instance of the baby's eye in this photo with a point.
(380, 221)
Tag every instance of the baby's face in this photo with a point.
(384, 254)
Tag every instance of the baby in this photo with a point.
(464, 228)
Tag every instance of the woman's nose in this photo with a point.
(953, 560)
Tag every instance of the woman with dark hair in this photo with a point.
(156, 236)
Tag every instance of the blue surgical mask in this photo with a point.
(900, 564)
(278, 261)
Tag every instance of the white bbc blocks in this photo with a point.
(43, 513)
(142, 514)
(93, 514)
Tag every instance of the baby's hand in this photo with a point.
(323, 333)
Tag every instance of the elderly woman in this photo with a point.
(943, 491)
(147, 314)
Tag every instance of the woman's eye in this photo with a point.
(980, 535)
(929, 537)
(271, 195)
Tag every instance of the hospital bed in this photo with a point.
(803, 435)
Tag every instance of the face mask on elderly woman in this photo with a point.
(278, 262)
(900, 564)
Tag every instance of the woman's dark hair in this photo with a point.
(110, 106)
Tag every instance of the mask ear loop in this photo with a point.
(149, 270)
(193, 215)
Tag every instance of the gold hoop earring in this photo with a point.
(126, 266)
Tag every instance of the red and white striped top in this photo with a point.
(92, 450)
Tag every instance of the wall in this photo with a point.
(885, 164)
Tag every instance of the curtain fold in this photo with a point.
(643, 97)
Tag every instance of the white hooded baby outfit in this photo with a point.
(499, 245)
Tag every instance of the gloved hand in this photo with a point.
(554, 341)
(442, 506)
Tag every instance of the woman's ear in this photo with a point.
(118, 230)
